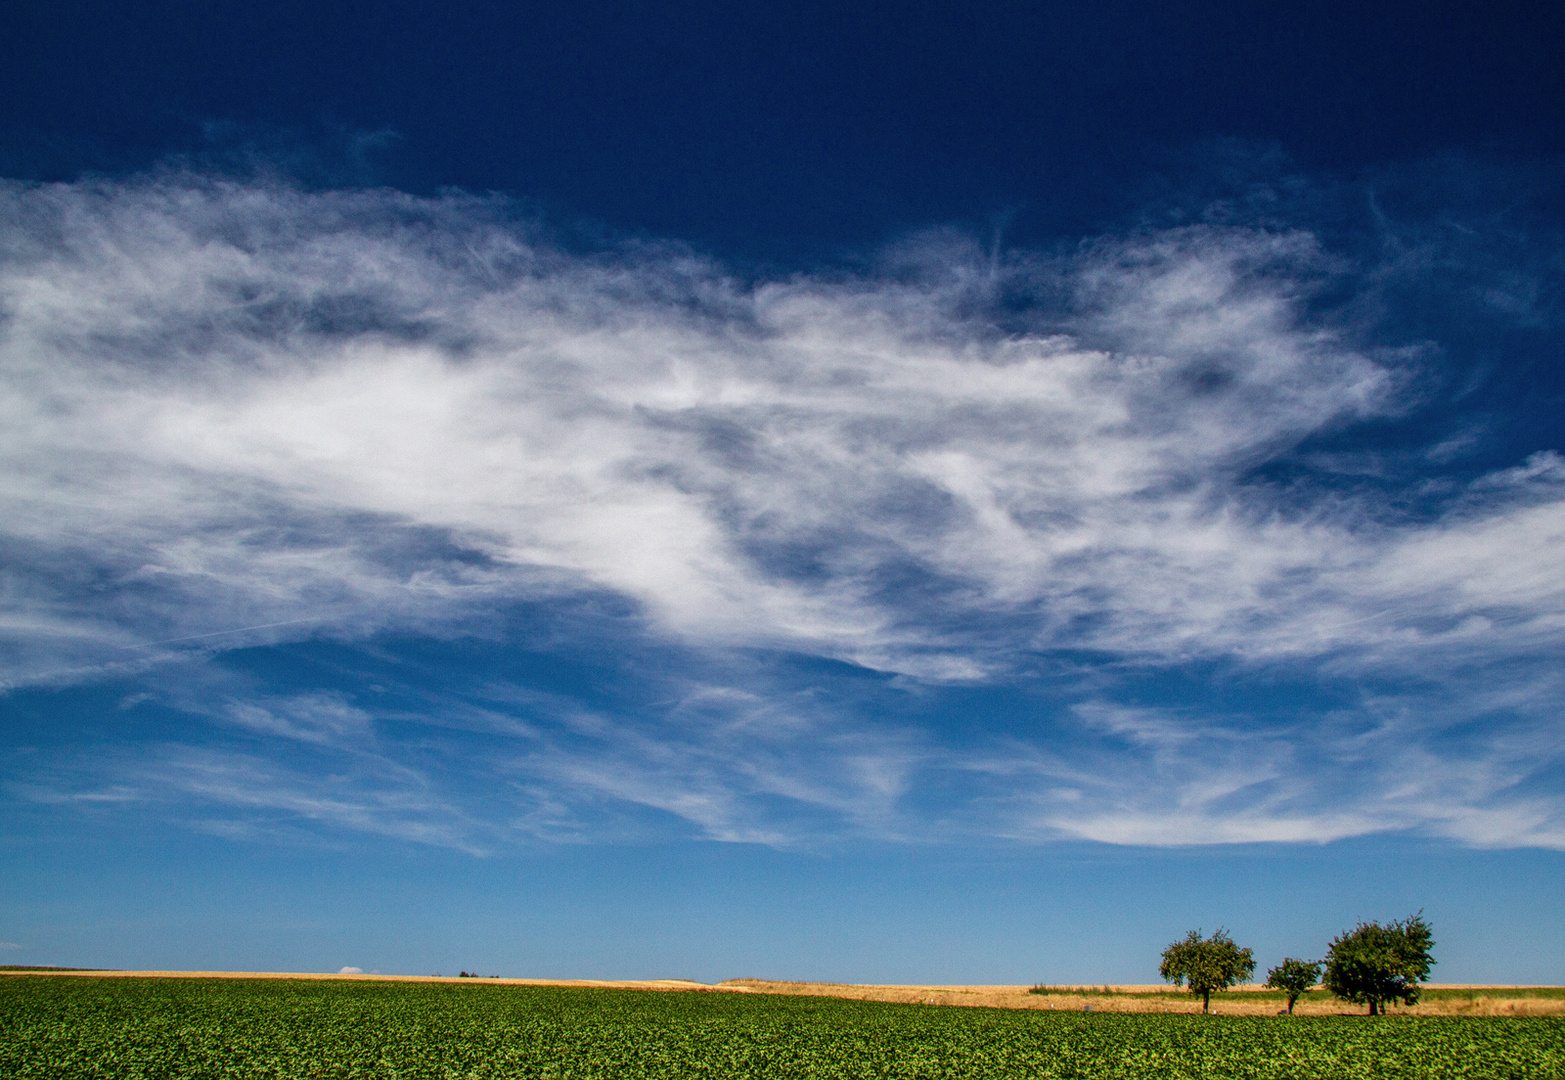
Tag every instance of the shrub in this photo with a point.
(1293, 977)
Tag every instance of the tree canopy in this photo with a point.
(1208, 965)
(1293, 977)
(1373, 964)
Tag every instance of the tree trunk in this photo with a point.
(1374, 1007)
(1206, 1002)
(1291, 1000)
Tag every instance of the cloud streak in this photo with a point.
(235, 414)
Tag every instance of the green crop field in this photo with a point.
(59, 1027)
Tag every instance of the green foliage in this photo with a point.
(1293, 977)
(1208, 965)
(1373, 964)
(203, 1029)
(1075, 991)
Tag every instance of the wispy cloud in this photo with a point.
(1165, 777)
(258, 792)
(235, 414)
(312, 718)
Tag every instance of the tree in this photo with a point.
(1374, 964)
(1209, 964)
(1293, 976)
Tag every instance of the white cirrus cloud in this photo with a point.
(251, 411)
(233, 413)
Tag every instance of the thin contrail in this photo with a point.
(215, 633)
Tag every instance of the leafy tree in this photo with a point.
(1374, 964)
(1207, 964)
(1293, 976)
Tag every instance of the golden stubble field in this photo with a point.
(1241, 1001)
(1441, 999)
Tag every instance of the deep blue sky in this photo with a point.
(862, 492)
(770, 128)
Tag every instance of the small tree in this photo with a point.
(1209, 965)
(1294, 977)
(1374, 964)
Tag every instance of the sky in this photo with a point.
(707, 490)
